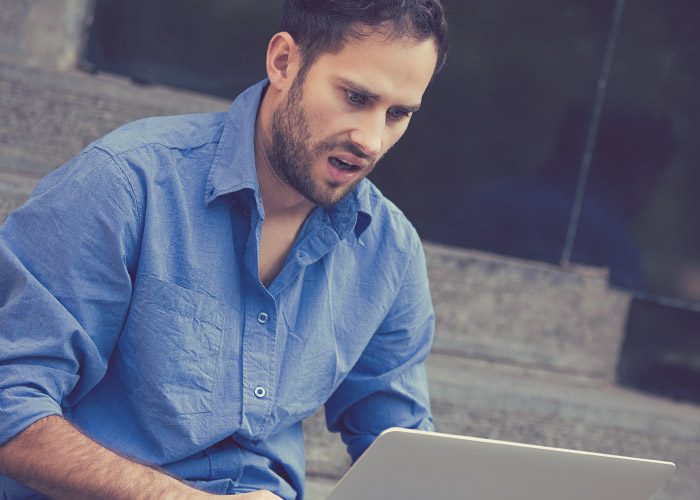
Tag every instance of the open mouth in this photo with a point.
(341, 165)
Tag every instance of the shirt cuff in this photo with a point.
(358, 446)
(20, 408)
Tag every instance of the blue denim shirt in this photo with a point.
(130, 303)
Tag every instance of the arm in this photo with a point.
(61, 254)
(66, 260)
(56, 459)
(388, 386)
(53, 457)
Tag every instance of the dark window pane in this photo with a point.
(217, 46)
(640, 214)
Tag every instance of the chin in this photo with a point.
(331, 196)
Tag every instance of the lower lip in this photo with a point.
(341, 176)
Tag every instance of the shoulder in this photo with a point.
(163, 154)
(181, 132)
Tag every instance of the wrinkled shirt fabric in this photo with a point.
(130, 303)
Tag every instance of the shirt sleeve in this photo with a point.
(65, 287)
(388, 386)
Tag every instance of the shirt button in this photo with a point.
(246, 212)
(260, 392)
(263, 317)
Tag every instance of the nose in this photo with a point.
(367, 135)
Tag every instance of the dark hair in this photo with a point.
(320, 26)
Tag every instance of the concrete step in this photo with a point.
(527, 313)
(49, 116)
(318, 488)
(497, 401)
(14, 190)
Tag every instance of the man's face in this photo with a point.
(348, 110)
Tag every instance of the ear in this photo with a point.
(283, 60)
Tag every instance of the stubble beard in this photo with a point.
(291, 152)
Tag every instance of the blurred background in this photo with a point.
(553, 172)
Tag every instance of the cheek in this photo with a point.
(322, 125)
(324, 114)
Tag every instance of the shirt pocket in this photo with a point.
(170, 345)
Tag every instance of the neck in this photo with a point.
(278, 197)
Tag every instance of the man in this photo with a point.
(188, 289)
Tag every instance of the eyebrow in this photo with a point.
(360, 89)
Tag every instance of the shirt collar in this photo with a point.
(233, 167)
(353, 211)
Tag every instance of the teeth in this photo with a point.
(338, 163)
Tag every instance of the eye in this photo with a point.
(355, 98)
(398, 114)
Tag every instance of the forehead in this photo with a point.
(395, 68)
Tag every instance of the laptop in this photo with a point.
(412, 465)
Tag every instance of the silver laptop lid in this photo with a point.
(411, 465)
